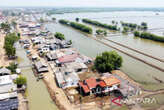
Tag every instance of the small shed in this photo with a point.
(40, 67)
(4, 71)
(51, 56)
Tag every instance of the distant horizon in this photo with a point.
(82, 3)
(78, 7)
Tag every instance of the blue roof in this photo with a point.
(9, 104)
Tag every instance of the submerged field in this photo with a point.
(147, 76)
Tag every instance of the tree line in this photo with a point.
(97, 23)
(10, 39)
(78, 26)
(134, 26)
(150, 36)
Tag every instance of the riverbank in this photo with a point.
(4, 62)
(37, 94)
(57, 94)
(144, 75)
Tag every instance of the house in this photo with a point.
(44, 50)
(40, 67)
(91, 86)
(53, 46)
(34, 57)
(99, 86)
(112, 83)
(77, 67)
(67, 78)
(23, 25)
(67, 59)
(51, 56)
(8, 88)
(9, 104)
(64, 44)
(4, 71)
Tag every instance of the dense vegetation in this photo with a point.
(108, 61)
(5, 27)
(102, 32)
(53, 19)
(41, 20)
(132, 26)
(21, 81)
(81, 27)
(96, 23)
(77, 26)
(150, 36)
(77, 19)
(10, 39)
(59, 35)
(12, 67)
(63, 21)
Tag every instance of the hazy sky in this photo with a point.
(84, 3)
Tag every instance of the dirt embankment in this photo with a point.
(54, 97)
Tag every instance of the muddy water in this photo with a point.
(155, 23)
(135, 69)
(37, 94)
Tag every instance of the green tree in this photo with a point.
(18, 34)
(6, 27)
(113, 22)
(144, 24)
(10, 39)
(125, 29)
(70, 42)
(10, 50)
(13, 23)
(59, 35)
(108, 61)
(77, 19)
(41, 20)
(53, 19)
(99, 31)
(136, 33)
(21, 81)
(12, 67)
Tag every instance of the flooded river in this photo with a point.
(37, 94)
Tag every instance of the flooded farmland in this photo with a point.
(144, 74)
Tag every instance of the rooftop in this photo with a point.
(68, 58)
(111, 80)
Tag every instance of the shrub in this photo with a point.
(59, 35)
(21, 81)
(108, 61)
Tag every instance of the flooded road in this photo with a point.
(37, 94)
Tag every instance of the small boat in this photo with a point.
(40, 76)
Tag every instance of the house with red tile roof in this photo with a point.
(112, 83)
(91, 85)
(98, 86)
